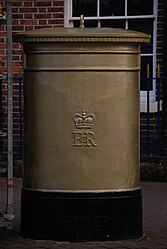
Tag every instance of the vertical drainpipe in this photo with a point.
(9, 207)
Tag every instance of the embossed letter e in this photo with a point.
(83, 139)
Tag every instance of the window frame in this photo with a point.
(69, 19)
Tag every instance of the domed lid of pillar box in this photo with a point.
(81, 35)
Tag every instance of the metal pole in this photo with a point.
(1, 122)
(159, 112)
(21, 118)
(148, 110)
(9, 207)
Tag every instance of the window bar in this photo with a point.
(126, 13)
(98, 13)
(158, 109)
(126, 24)
(148, 109)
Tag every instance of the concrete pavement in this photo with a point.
(154, 219)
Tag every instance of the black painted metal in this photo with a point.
(81, 216)
(156, 149)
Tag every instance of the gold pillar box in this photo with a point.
(81, 120)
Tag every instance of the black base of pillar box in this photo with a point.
(81, 216)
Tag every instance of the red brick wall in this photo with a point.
(26, 15)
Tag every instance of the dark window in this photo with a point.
(145, 26)
(87, 23)
(112, 8)
(113, 23)
(84, 7)
(146, 83)
(140, 7)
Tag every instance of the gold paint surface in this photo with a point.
(51, 100)
(81, 35)
(81, 111)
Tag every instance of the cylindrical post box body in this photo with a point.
(81, 122)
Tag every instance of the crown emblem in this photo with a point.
(83, 120)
